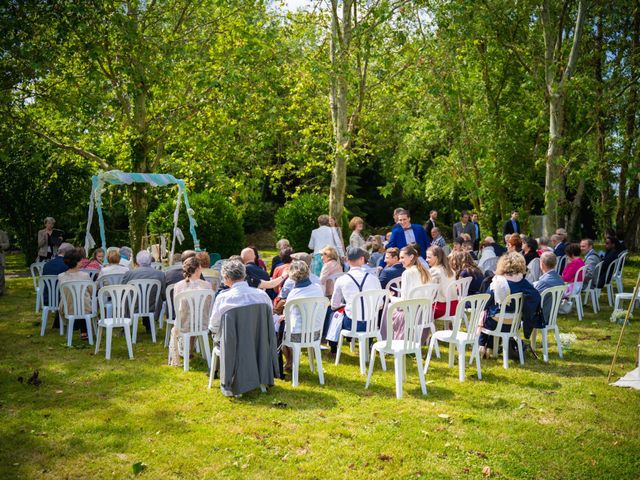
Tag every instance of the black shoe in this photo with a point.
(529, 349)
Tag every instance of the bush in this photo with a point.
(299, 216)
(219, 227)
(259, 216)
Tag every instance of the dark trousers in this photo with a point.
(490, 324)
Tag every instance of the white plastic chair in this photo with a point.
(157, 266)
(49, 283)
(148, 296)
(562, 260)
(109, 279)
(553, 295)
(73, 295)
(617, 275)
(473, 306)
(514, 330)
(590, 290)
(365, 307)
(533, 270)
(608, 285)
(169, 313)
(196, 305)
(310, 311)
(452, 295)
(121, 299)
(429, 292)
(576, 291)
(409, 345)
(93, 274)
(36, 271)
(393, 287)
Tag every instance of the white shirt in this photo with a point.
(313, 290)
(409, 236)
(112, 268)
(411, 279)
(439, 276)
(288, 285)
(239, 295)
(345, 288)
(323, 236)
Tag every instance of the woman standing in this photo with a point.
(321, 237)
(356, 239)
(443, 275)
(48, 240)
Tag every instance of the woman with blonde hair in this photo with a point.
(356, 239)
(444, 276)
(463, 265)
(330, 266)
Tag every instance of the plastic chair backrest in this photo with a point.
(428, 292)
(194, 304)
(577, 284)
(157, 266)
(122, 299)
(452, 295)
(515, 316)
(36, 273)
(73, 295)
(171, 313)
(110, 279)
(561, 262)
(365, 307)
(621, 261)
(534, 270)
(608, 277)
(308, 310)
(412, 328)
(393, 287)
(553, 295)
(148, 294)
(93, 274)
(49, 284)
(593, 281)
(475, 305)
(462, 286)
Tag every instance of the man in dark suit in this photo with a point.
(464, 226)
(476, 227)
(393, 269)
(431, 223)
(512, 225)
(409, 233)
(610, 256)
(56, 266)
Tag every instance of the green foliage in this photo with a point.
(259, 216)
(298, 217)
(219, 226)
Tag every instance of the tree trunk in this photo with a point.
(554, 194)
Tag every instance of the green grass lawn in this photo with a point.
(95, 419)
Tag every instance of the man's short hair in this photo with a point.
(393, 251)
(403, 211)
(126, 252)
(463, 213)
(398, 210)
(436, 230)
(323, 220)
(298, 271)
(432, 212)
(64, 248)
(234, 270)
(144, 258)
(589, 241)
(549, 260)
(354, 253)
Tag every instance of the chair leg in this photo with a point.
(89, 330)
(152, 323)
(520, 350)
(461, 362)
(339, 349)
(579, 309)
(98, 337)
(310, 354)
(477, 356)
(162, 314)
(61, 324)
(109, 333)
(186, 351)
(610, 294)
(205, 346)
(318, 354)
(433, 331)
(135, 328)
(166, 335)
(398, 365)
(45, 314)
(452, 352)
(432, 342)
(545, 345)
(214, 364)
(382, 360)
(352, 345)
(372, 361)
(558, 342)
(296, 366)
(362, 355)
(423, 385)
(496, 346)
(127, 336)
(70, 322)
(533, 339)
(474, 348)
(505, 353)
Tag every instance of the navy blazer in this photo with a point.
(398, 239)
(389, 273)
(559, 250)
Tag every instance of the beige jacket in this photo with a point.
(43, 243)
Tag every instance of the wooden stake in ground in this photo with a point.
(626, 319)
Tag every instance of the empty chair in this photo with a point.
(575, 291)
(365, 307)
(506, 318)
(457, 339)
(550, 300)
(617, 274)
(620, 297)
(36, 272)
(408, 345)
(591, 289)
(121, 300)
(50, 296)
(193, 309)
(78, 304)
(306, 315)
(148, 298)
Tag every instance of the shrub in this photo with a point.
(296, 219)
(219, 228)
(259, 216)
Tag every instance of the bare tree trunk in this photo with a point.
(554, 194)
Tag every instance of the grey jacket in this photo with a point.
(590, 260)
(248, 356)
(469, 228)
(548, 280)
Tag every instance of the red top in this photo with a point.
(569, 272)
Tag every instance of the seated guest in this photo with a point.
(57, 265)
(530, 250)
(438, 239)
(258, 260)
(591, 258)
(97, 259)
(441, 274)
(377, 251)
(394, 267)
(458, 243)
(191, 271)
(610, 256)
(356, 239)
(113, 263)
(499, 250)
(237, 294)
(355, 281)
(126, 256)
(514, 243)
(252, 271)
(467, 247)
(558, 245)
(574, 263)
(303, 288)
(144, 271)
(282, 270)
(464, 266)
(486, 253)
(543, 246)
(288, 284)
(74, 273)
(548, 279)
(275, 261)
(175, 273)
(330, 266)
(509, 279)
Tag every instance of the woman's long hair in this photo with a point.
(189, 267)
(441, 259)
(424, 273)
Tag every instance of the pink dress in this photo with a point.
(569, 272)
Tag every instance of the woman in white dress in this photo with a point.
(442, 274)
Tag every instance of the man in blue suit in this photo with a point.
(408, 233)
(394, 267)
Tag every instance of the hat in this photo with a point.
(354, 253)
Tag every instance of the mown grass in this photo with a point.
(95, 419)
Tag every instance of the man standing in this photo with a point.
(431, 224)
(591, 258)
(512, 225)
(393, 269)
(464, 226)
(408, 233)
(4, 246)
(476, 229)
